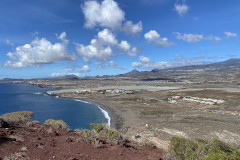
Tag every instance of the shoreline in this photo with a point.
(107, 114)
(105, 111)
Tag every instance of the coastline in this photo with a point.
(104, 111)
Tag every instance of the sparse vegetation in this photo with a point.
(32, 123)
(17, 118)
(155, 112)
(201, 149)
(97, 127)
(101, 133)
(102, 130)
(58, 124)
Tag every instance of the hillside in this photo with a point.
(23, 139)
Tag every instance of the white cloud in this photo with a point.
(39, 52)
(132, 29)
(144, 59)
(193, 38)
(106, 14)
(230, 34)
(124, 46)
(147, 63)
(94, 50)
(107, 37)
(64, 74)
(154, 37)
(137, 64)
(181, 9)
(99, 48)
(85, 68)
(103, 46)
(133, 52)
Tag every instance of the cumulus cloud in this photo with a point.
(137, 64)
(94, 50)
(39, 52)
(124, 46)
(230, 34)
(144, 59)
(153, 37)
(85, 68)
(193, 38)
(132, 29)
(108, 14)
(102, 47)
(107, 37)
(133, 52)
(181, 9)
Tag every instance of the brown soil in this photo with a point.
(43, 142)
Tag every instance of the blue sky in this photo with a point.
(48, 38)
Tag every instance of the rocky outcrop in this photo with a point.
(3, 124)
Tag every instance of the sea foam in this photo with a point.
(81, 101)
(107, 116)
(105, 113)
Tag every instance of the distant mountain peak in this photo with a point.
(132, 72)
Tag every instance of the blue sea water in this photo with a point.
(26, 97)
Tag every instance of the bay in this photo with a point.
(26, 97)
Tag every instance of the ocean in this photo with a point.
(25, 97)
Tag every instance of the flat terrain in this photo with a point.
(150, 110)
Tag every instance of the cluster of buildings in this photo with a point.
(105, 91)
(207, 101)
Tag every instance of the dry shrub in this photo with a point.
(17, 118)
(57, 124)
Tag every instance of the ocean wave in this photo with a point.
(105, 113)
(107, 116)
(38, 93)
(81, 101)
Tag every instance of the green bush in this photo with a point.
(86, 132)
(16, 118)
(200, 149)
(97, 127)
(111, 134)
(58, 124)
(100, 130)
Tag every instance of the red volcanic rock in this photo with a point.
(43, 142)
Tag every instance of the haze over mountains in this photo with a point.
(229, 67)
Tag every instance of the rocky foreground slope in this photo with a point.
(23, 139)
